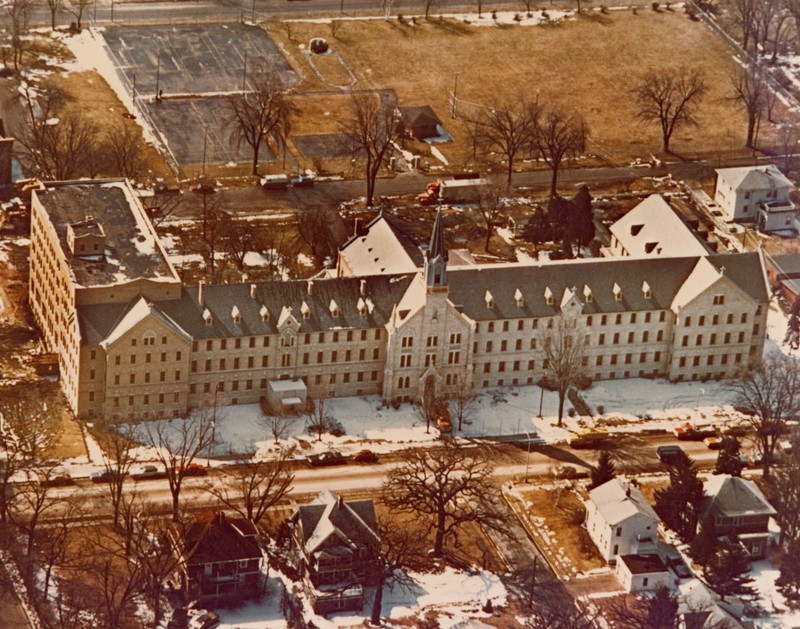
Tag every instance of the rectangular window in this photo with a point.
(633, 317)
(265, 361)
(223, 344)
(488, 346)
(601, 340)
(305, 358)
(236, 363)
(237, 344)
(631, 336)
(177, 374)
(647, 317)
(162, 375)
(208, 364)
(252, 341)
(334, 356)
(599, 361)
(618, 319)
(209, 345)
(682, 361)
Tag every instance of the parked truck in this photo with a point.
(451, 191)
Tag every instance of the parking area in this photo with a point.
(193, 68)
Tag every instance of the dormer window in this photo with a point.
(646, 290)
(489, 299)
(587, 294)
(264, 312)
(548, 296)
(362, 307)
(305, 310)
(617, 292)
(236, 315)
(519, 298)
(207, 317)
(334, 308)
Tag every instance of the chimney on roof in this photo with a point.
(89, 218)
(200, 292)
(340, 501)
(252, 291)
(356, 223)
(628, 492)
(363, 287)
(310, 284)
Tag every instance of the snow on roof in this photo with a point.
(700, 279)
(413, 300)
(733, 496)
(140, 310)
(286, 386)
(617, 500)
(377, 252)
(754, 178)
(653, 229)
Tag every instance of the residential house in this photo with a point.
(738, 507)
(420, 121)
(135, 343)
(783, 270)
(643, 573)
(743, 194)
(338, 545)
(220, 559)
(699, 607)
(651, 229)
(620, 521)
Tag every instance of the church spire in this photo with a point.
(436, 256)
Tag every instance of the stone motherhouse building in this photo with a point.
(135, 342)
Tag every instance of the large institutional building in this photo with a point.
(134, 342)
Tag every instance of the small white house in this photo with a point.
(620, 521)
(653, 229)
(643, 573)
(741, 191)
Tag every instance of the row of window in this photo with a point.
(347, 336)
(147, 377)
(712, 339)
(147, 399)
(715, 319)
(148, 357)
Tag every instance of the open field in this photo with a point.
(588, 64)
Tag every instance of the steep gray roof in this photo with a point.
(354, 520)
(664, 276)
(731, 496)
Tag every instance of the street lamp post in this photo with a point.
(697, 404)
(528, 459)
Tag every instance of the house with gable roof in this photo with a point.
(338, 544)
(620, 521)
(738, 507)
(420, 121)
(755, 193)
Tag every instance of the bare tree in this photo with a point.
(162, 205)
(507, 128)
(786, 493)
(54, 6)
(369, 133)
(252, 487)
(428, 6)
(31, 502)
(563, 343)
(554, 609)
(773, 20)
(559, 135)
(319, 415)
(277, 423)
(178, 443)
(124, 150)
(659, 611)
(313, 226)
(445, 488)
(745, 13)
(256, 114)
(464, 400)
(117, 443)
(79, 6)
(490, 205)
(238, 238)
(668, 97)
(769, 394)
(751, 92)
(52, 543)
(19, 13)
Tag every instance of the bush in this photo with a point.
(517, 17)
(603, 8)
(494, 15)
(400, 18)
(656, 5)
(601, 409)
(635, 10)
(414, 20)
(577, 516)
(571, 411)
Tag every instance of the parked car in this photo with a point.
(193, 469)
(105, 476)
(687, 432)
(365, 456)
(587, 438)
(713, 443)
(323, 459)
(303, 181)
(56, 478)
(670, 454)
(679, 567)
(274, 182)
(206, 620)
(147, 472)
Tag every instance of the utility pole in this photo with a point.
(205, 144)
(158, 77)
(244, 74)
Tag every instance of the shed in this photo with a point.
(420, 121)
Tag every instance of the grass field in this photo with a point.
(589, 64)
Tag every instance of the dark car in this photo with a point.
(303, 181)
(56, 479)
(670, 454)
(365, 456)
(105, 476)
(206, 620)
(323, 459)
(193, 469)
(679, 567)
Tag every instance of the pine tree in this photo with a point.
(604, 471)
(789, 580)
(662, 610)
(727, 570)
(537, 229)
(704, 545)
(728, 459)
(583, 219)
(678, 504)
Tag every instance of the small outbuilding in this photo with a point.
(420, 121)
(643, 573)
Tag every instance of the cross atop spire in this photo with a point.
(436, 256)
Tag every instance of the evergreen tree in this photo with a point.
(789, 580)
(728, 459)
(678, 504)
(727, 569)
(704, 545)
(582, 223)
(604, 471)
(662, 610)
(537, 228)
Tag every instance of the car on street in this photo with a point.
(193, 469)
(303, 181)
(713, 443)
(670, 454)
(147, 472)
(56, 478)
(105, 476)
(687, 432)
(205, 620)
(679, 567)
(323, 459)
(365, 456)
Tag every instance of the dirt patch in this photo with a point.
(554, 518)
